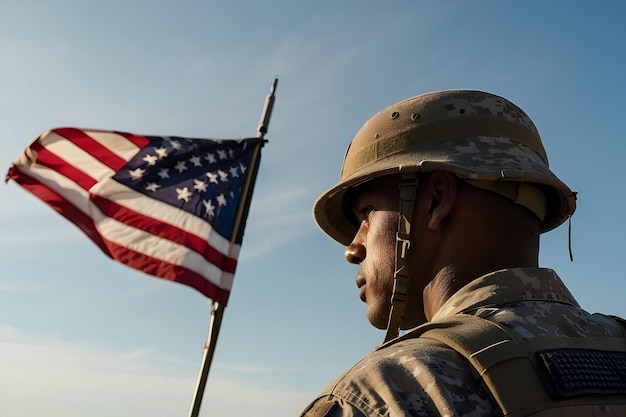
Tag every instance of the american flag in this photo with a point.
(164, 205)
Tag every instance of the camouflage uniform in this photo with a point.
(422, 377)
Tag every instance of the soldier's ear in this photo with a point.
(441, 190)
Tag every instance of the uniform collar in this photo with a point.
(507, 286)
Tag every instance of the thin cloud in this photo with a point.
(252, 400)
(43, 375)
(252, 369)
(11, 287)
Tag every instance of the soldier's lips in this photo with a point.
(360, 283)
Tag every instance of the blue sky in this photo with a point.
(82, 335)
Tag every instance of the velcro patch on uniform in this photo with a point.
(572, 372)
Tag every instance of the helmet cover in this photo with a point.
(475, 135)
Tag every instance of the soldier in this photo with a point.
(441, 202)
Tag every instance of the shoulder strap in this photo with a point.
(499, 359)
(505, 366)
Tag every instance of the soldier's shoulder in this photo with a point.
(411, 364)
(420, 376)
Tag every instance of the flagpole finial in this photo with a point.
(274, 84)
(267, 111)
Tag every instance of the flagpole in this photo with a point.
(217, 312)
(217, 309)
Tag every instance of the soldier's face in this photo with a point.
(373, 248)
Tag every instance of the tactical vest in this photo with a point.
(581, 377)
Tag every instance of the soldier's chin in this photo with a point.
(379, 321)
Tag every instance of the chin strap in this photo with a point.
(408, 188)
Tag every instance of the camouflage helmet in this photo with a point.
(480, 137)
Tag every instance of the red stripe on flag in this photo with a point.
(92, 147)
(168, 271)
(54, 162)
(60, 205)
(166, 231)
(140, 141)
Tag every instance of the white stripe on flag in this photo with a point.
(166, 213)
(62, 185)
(159, 248)
(116, 144)
(77, 157)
